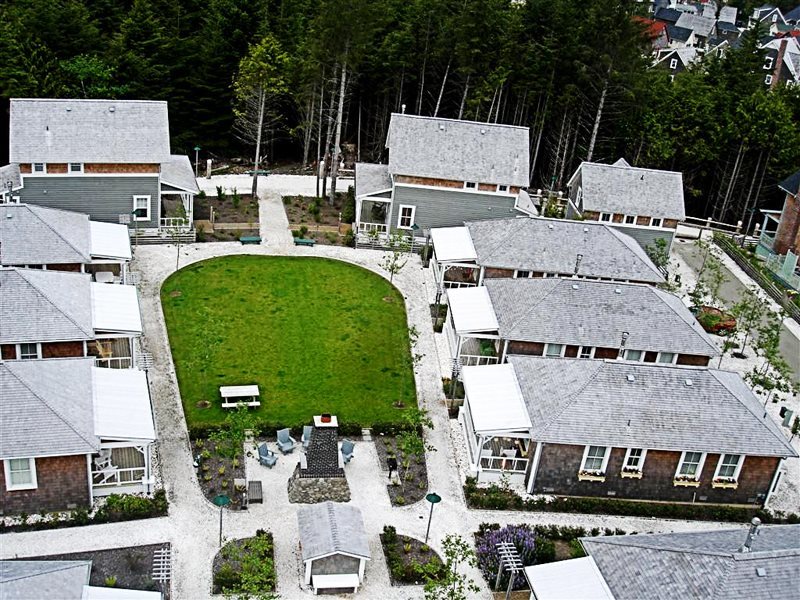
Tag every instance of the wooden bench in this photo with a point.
(229, 394)
(255, 494)
(304, 242)
(250, 239)
(328, 582)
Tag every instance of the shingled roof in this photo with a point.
(596, 313)
(701, 564)
(79, 130)
(57, 579)
(629, 405)
(371, 178)
(330, 528)
(178, 173)
(458, 150)
(35, 235)
(791, 184)
(552, 246)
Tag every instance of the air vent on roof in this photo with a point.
(688, 382)
(9, 216)
(630, 378)
(69, 109)
(585, 230)
(761, 572)
(549, 226)
(483, 131)
(617, 290)
(575, 286)
(111, 109)
(441, 126)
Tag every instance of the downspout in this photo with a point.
(774, 483)
(505, 350)
(89, 477)
(480, 276)
(537, 455)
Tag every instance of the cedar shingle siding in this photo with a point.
(63, 483)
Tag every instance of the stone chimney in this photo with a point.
(778, 64)
(786, 237)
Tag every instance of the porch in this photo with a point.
(176, 212)
(114, 353)
(122, 469)
(373, 215)
(471, 328)
(454, 258)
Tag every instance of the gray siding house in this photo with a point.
(647, 204)
(109, 159)
(442, 172)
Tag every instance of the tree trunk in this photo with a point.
(750, 189)
(319, 130)
(421, 89)
(598, 116)
(336, 148)
(491, 107)
(262, 101)
(441, 89)
(309, 126)
(539, 122)
(463, 99)
(734, 175)
(499, 103)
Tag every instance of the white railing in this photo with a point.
(367, 227)
(117, 476)
(471, 360)
(458, 284)
(115, 362)
(502, 463)
(179, 223)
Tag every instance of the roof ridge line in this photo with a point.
(572, 397)
(536, 305)
(62, 565)
(704, 552)
(635, 252)
(334, 529)
(53, 304)
(35, 212)
(660, 292)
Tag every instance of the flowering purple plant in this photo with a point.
(524, 540)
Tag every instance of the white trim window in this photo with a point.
(520, 274)
(729, 467)
(630, 219)
(405, 216)
(634, 355)
(586, 352)
(656, 222)
(690, 466)
(595, 460)
(634, 460)
(470, 185)
(554, 350)
(606, 217)
(75, 168)
(39, 168)
(28, 351)
(20, 474)
(667, 358)
(768, 80)
(768, 63)
(141, 203)
(502, 188)
(673, 63)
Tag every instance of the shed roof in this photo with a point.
(701, 564)
(47, 408)
(178, 172)
(495, 400)
(115, 308)
(628, 405)
(78, 130)
(330, 528)
(110, 240)
(472, 309)
(595, 313)
(631, 190)
(578, 578)
(458, 150)
(122, 405)
(371, 178)
(553, 245)
(453, 244)
(57, 579)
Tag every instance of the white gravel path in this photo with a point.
(192, 525)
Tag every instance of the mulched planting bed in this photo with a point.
(412, 471)
(227, 210)
(212, 481)
(131, 567)
(310, 210)
(409, 560)
(249, 560)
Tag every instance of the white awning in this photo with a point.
(453, 244)
(91, 592)
(472, 310)
(495, 400)
(567, 580)
(122, 405)
(110, 240)
(115, 308)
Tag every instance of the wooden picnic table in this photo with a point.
(230, 393)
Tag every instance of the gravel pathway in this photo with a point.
(192, 524)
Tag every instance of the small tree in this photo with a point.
(659, 254)
(412, 442)
(176, 231)
(229, 440)
(710, 278)
(749, 311)
(397, 257)
(455, 585)
(773, 374)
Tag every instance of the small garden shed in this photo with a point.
(334, 545)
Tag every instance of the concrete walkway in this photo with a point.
(192, 525)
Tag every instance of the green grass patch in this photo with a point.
(316, 335)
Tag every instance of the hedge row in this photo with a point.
(496, 498)
(268, 429)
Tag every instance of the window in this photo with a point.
(634, 355)
(20, 473)
(76, 167)
(522, 274)
(554, 350)
(630, 219)
(405, 217)
(656, 222)
(39, 168)
(768, 79)
(634, 459)
(729, 466)
(586, 352)
(595, 459)
(502, 188)
(605, 217)
(690, 465)
(775, 18)
(673, 64)
(768, 63)
(666, 358)
(470, 185)
(28, 351)
(141, 208)
(549, 275)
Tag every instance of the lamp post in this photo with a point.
(434, 499)
(221, 501)
(196, 158)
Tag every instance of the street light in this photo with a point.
(434, 499)
(221, 501)
(196, 158)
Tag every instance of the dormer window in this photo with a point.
(76, 167)
(673, 64)
(39, 168)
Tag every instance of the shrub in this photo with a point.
(349, 238)
(389, 534)
(524, 540)
(201, 233)
(125, 507)
(287, 200)
(220, 193)
(545, 550)
(349, 206)
(295, 233)
(331, 237)
(576, 550)
(201, 195)
(303, 231)
(226, 578)
(110, 581)
(400, 500)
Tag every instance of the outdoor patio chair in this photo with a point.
(306, 439)
(347, 450)
(103, 461)
(266, 456)
(285, 441)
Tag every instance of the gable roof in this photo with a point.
(44, 306)
(633, 405)
(26, 579)
(330, 527)
(595, 313)
(791, 185)
(458, 150)
(552, 246)
(680, 34)
(34, 235)
(793, 15)
(631, 190)
(686, 55)
(177, 172)
(371, 178)
(724, 26)
(728, 14)
(10, 173)
(701, 564)
(47, 408)
(701, 25)
(669, 15)
(77, 130)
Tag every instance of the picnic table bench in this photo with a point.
(304, 242)
(250, 239)
(255, 493)
(230, 393)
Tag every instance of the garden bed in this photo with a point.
(409, 560)
(412, 472)
(231, 208)
(128, 568)
(313, 218)
(246, 567)
(216, 473)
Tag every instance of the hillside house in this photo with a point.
(779, 243)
